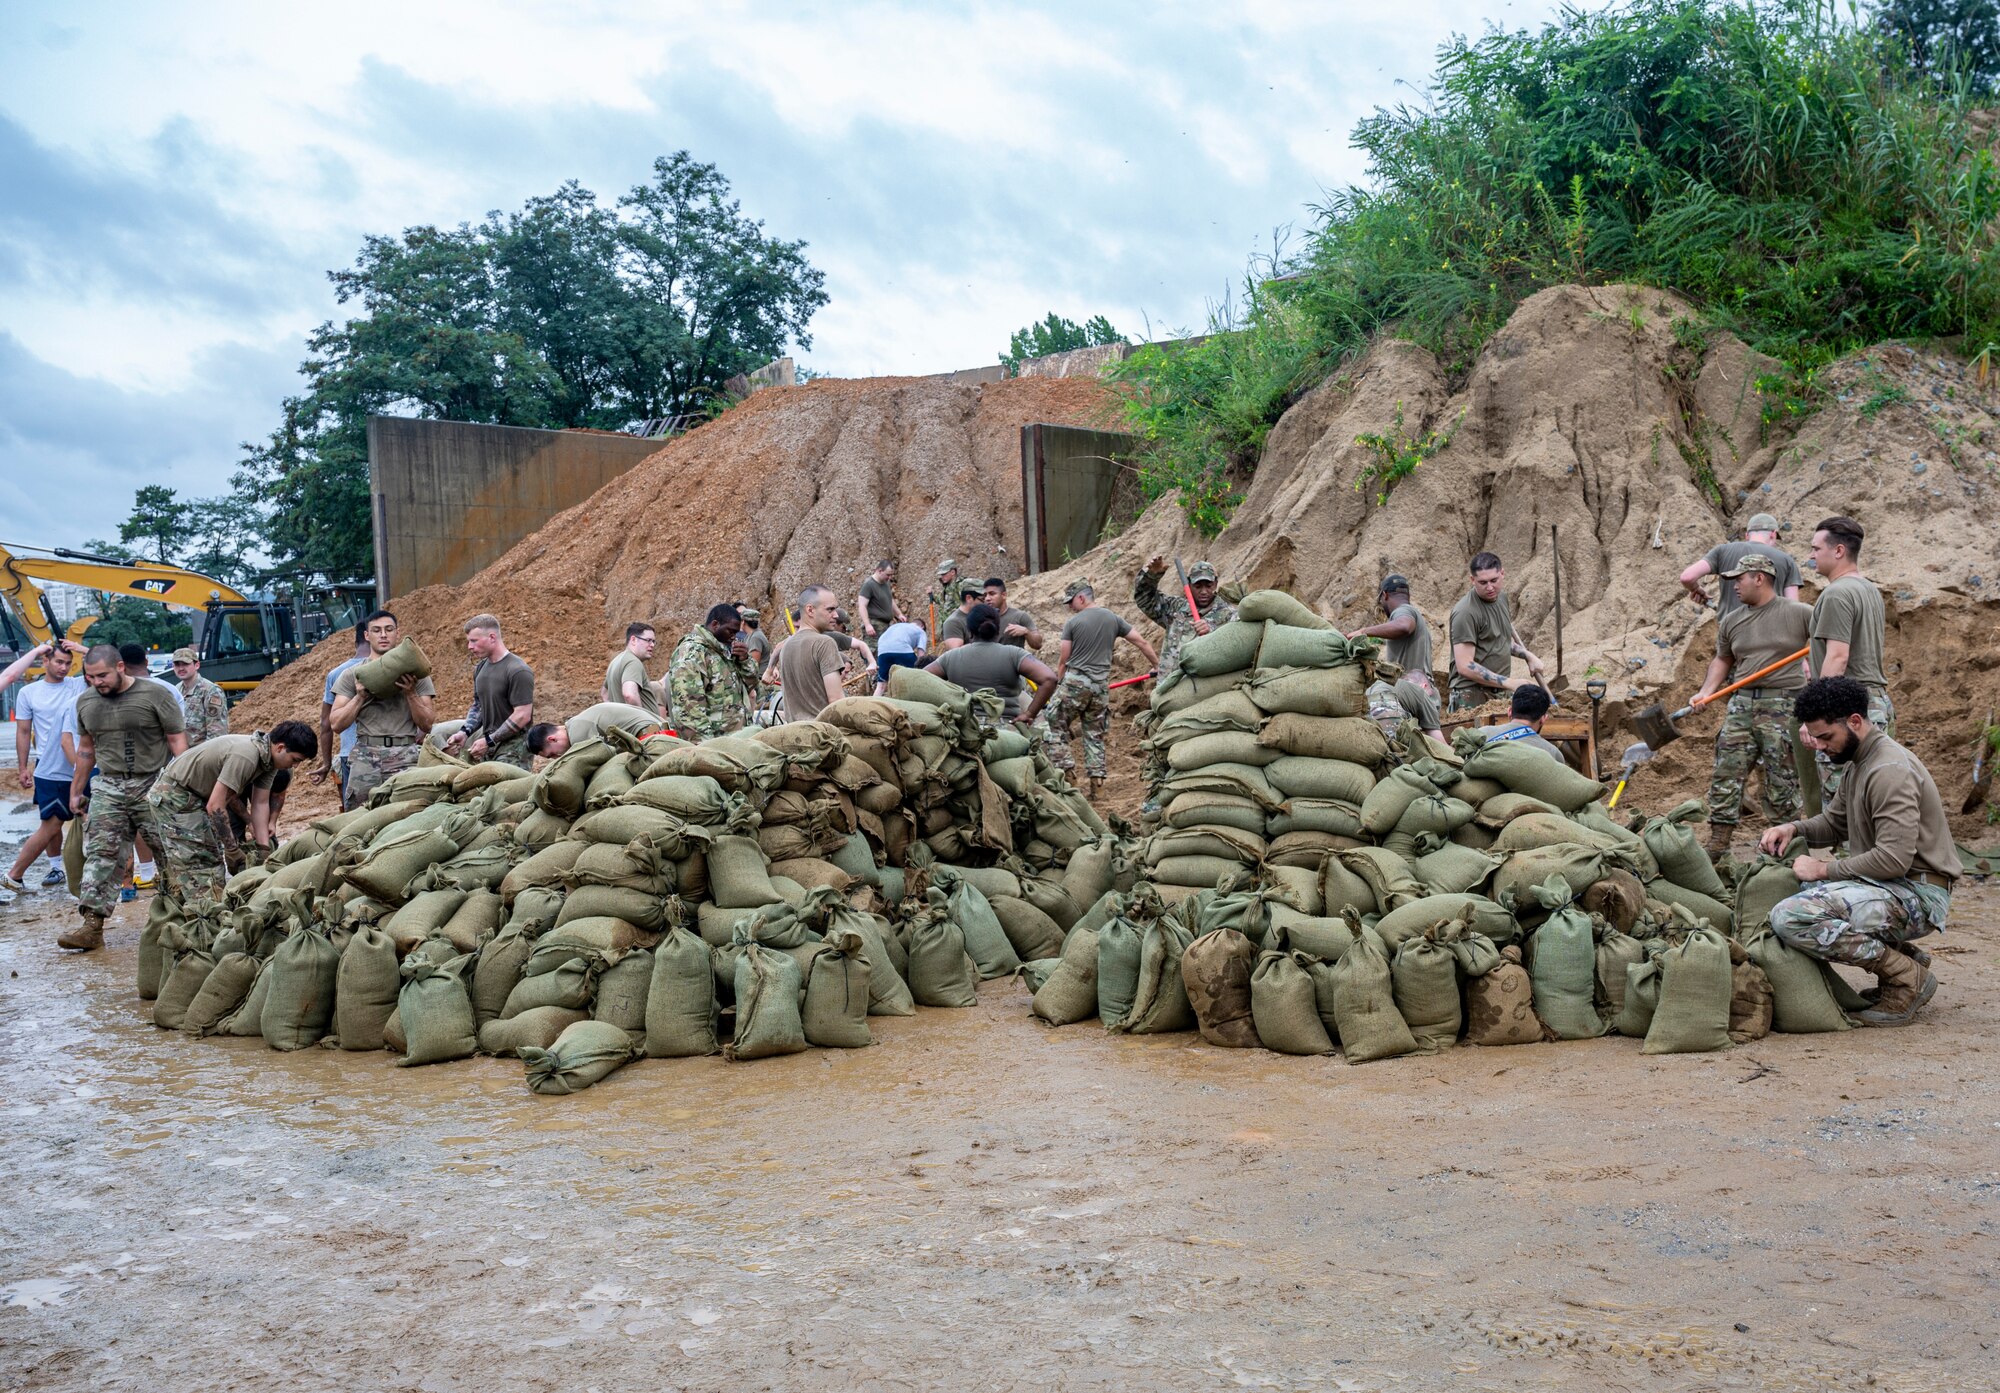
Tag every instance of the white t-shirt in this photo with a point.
(326, 699)
(180, 698)
(903, 638)
(49, 708)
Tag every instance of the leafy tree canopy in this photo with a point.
(1056, 335)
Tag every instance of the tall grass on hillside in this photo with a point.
(1781, 167)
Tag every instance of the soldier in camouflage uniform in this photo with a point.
(1170, 612)
(190, 802)
(1758, 728)
(388, 734)
(206, 708)
(127, 731)
(1083, 681)
(711, 682)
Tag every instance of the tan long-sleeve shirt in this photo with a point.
(1888, 816)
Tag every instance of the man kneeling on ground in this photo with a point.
(192, 795)
(1894, 883)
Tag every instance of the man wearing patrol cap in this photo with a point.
(754, 638)
(205, 708)
(1170, 611)
(1406, 642)
(1760, 535)
(1083, 680)
(1758, 728)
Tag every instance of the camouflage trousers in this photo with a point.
(1755, 731)
(189, 849)
(1852, 921)
(514, 752)
(370, 764)
(1881, 715)
(118, 813)
(1079, 701)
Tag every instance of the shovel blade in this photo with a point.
(1655, 726)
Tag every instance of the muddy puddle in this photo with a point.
(980, 1202)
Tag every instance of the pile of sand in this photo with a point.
(793, 486)
(1582, 415)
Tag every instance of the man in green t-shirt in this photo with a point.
(625, 679)
(1083, 681)
(1484, 641)
(503, 699)
(953, 633)
(878, 608)
(1757, 727)
(1017, 627)
(1849, 629)
(191, 803)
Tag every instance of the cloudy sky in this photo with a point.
(180, 178)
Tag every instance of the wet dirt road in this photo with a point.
(980, 1202)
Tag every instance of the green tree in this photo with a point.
(1947, 38)
(158, 519)
(145, 622)
(563, 313)
(1055, 335)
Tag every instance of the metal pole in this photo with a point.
(1555, 547)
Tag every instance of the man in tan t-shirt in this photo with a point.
(1761, 627)
(809, 664)
(1849, 628)
(191, 802)
(387, 734)
(1484, 641)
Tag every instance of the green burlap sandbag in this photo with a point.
(1524, 769)
(395, 859)
(1764, 882)
(1802, 999)
(222, 991)
(1031, 932)
(1283, 1007)
(621, 994)
(987, 880)
(435, 1011)
(1341, 888)
(1615, 954)
(613, 780)
(569, 985)
(536, 909)
(163, 911)
(475, 868)
(1359, 994)
(1230, 780)
(1326, 937)
(854, 856)
(1618, 897)
(1514, 883)
(1194, 872)
(476, 920)
(1336, 780)
(1221, 747)
(768, 986)
(681, 1009)
(1500, 1004)
(298, 1004)
(1215, 974)
(1705, 908)
(497, 971)
(1212, 841)
(1118, 952)
(1228, 647)
(1536, 830)
(1070, 993)
(941, 972)
(635, 865)
(737, 874)
(1340, 691)
(835, 1014)
(247, 1020)
(585, 1054)
(1090, 874)
(622, 823)
(366, 988)
(1679, 852)
(1386, 874)
(636, 907)
(1307, 850)
(1563, 968)
(1695, 990)
(536, 1029)
(888, 989)
(1230, 710)
(1310, 815)
(1293, 646)
(1450, 869)
(1642, 998)
(1503, 809)
(985, 937)
(1280, 608)
(1436, 815)
(1160, 1002)
(1424, 977)
(695, 799)
(1355, 739)
(539, 829)
(422, 916)
(1178, 690)
(1295, 887)
(379, 675)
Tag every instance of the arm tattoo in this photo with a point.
(1486, 675)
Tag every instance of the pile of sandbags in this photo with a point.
(751, 895)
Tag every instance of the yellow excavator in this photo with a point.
(241, 640)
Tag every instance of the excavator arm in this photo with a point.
(144, 580)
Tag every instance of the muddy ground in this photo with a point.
(981, 1202)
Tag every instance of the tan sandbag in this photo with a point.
(381, 674)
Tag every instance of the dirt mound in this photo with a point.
(795, 485)
(1592, 412)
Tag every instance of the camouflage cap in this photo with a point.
(745, 612)
(947, 566)
(1078, 587)
(1761, 522)
(1201, 570)
(1755, 561)
(186, 655)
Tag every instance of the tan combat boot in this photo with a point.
(1719, 835)
(1905, 985)
(85, 936)
(1096, 786)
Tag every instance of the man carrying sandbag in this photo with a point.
(548, 739)
(1484, 641)
(1171, 612)
(711, 682)
(1083, 680)
(1406, 642)
(503, 699)
(625, 678)
(387, 734)
(191, 799)
(127, 731)
(1894, 883)
(1757, 727)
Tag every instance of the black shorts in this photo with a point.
(885, 661)
(52, 799)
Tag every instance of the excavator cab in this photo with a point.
(242, 642)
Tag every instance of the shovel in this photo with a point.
(1982, 768)
(1635, 755)
(1657, 728)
